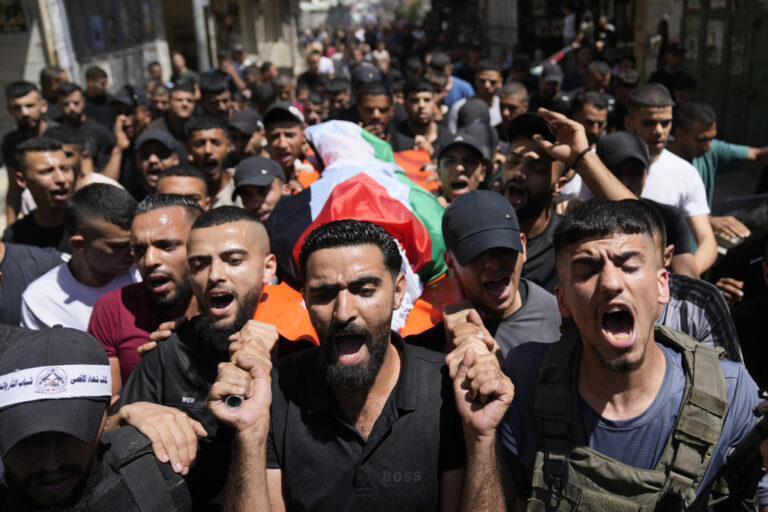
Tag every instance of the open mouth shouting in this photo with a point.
(460, 185)
(618, 325)
(515, 193)
(158, 283)
(210, 166)
(497, 287)
(349, 346)
(60, 194)
(220, 302)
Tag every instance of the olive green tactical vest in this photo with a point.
(568, 475)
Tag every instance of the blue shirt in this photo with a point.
(638, 441)
(459, 90)
(723, 157)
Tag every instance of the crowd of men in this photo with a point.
(582, 360)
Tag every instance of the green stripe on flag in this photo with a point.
(381, 148)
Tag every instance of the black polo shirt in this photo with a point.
(326, 464)
(179, 373)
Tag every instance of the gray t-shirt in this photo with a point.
(638, 441)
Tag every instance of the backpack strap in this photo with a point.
(131, 456)
(690, 446)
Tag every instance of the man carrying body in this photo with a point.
(617, 385)
(229, 263)
(123, 318)
(54, 455)
(71, 102)
(485, 256)
(671, 180)
(181, 108)
(27, 107)
(419, 130)
(98, 220)
(375, 414)
(46, 173)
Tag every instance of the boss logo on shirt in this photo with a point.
(401, 477)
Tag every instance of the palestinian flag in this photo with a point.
(360, 181)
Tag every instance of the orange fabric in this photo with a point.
(307, 177)
(283, 307)
(428, 309)
(413, 162)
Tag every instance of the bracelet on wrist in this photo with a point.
(578, 158)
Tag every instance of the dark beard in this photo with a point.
(358, 378)
(80, 501)
(182, 295)
(217, 336)
(535, 204)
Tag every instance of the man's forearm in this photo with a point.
(482, 477)
(246, 488)
(112, 169)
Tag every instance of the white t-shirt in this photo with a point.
(494, 111)
(57, 298)
(326, 66)
(675, 182)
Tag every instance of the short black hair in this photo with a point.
(350, 233)
(99, 201)
(197, 124)
(599, 218)
(18, 89)
(487, 65)
(316, 98)
(160, 89)
(212, 84)
(597, 100)
(265, 67)
(654, 217)
(417, 85)
(66, 88)
(66, 135)
(153, 63)
(183, 86)
(35, 144)
(374, 89)
(690, 113)
(224, 215)
(336, 86)
(49, 73)
(94, 72)
(159, 201)
(185, 171)
(264, 93)
(650, 95)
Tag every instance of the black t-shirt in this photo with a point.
(179, 373)
(539, 264)
(10, 141)
(403, 138)
(326, 464)
(21, 265)
(98, 108)
(106, 488)
(537, 101)
(750, 328)
(675, 225)
(26, 231)
(537, 319)
(102, 139)
(314, 81)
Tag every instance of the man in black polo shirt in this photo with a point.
(363, 422)
(229, 262)
(486, 252)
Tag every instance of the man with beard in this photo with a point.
(123, 319)
(180, 110)
(419, 130)
(156, 151)
(488, 81)
(209, 143)
(97, 100)
(46, 173)
(98, 219)
(53, 451)
(229, 263)
(363, 422)
(598, 410)
(71, 102)
(27, 107)
(542, 148)
(131, 108)
(215, 96)
(591, 110)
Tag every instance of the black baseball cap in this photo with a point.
(246, 121)
(53, 380)
(528, 125)
(283, 108)
(256, 171)
(616, 147)
(131, 95)
(161, 136)
(551, 72)
(468, 139)
(477, 221)
(439, 60)
(363, 75)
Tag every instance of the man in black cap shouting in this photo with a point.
(54, 396)
(462, 164)
(284, 124)
(247, 132)
(156, 151)
(485, 255)
(260, 183)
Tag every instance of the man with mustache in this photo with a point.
(123, 319)
(229, 263)
(52, 419)
(364, 421)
